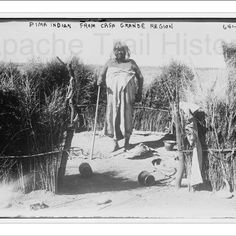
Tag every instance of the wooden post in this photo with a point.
(70, 127)
(234, 174)
(65, 154)
(95, 123)
(179, 139)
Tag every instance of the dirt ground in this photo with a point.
(114, 190)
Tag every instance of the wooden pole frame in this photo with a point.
(95, 123)
(179, 138)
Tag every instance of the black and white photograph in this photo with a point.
(118, 117)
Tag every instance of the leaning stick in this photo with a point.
(63, 63)
(95, 123)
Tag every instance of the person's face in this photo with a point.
(191, 137)
(120, 54)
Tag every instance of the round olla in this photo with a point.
(169, 145)
(85, 170)
(146, 179)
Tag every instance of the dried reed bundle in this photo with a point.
(162, 91)
(34, 116)
(151, 119)
(221, 120)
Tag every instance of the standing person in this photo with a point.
(124, 83)
(196, 167)
(194, 133)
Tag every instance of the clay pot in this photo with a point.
(169, 145)
(85, 170)
(146, 179)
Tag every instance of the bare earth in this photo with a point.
(113, 190)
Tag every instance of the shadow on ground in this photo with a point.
(145, 156)
(156, 143)
(99, 182)
(151, 144)
(206, 186)
(107, 181)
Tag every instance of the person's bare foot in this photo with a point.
(116, 146)
(127, 146)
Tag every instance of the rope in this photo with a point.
(212, 150)
(136, 107)
(39, 154)
(29, 156)
(150, 108)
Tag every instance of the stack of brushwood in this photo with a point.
(161, 94)
(34, 118)
(162, 91)
(221, 119)
(150, 119)
(166, 92)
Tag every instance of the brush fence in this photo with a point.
(219, 167)
(31, 172)
(145, 118)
